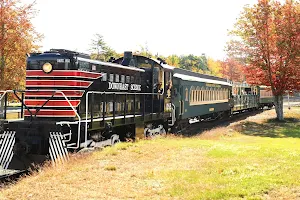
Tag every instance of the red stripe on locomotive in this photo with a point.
(63, 73)
(57, 83)
(51, 103)
(51, 113)
(50, 93)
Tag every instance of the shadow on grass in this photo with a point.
(290, 127)
(199, 128)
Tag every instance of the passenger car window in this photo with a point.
(186, 94)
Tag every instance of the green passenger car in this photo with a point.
(200, 96)
(266, 97)
(245, 97)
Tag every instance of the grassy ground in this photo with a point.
(256, 158)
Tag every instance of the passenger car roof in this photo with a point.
(198, 79)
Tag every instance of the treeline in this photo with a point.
(229, 68)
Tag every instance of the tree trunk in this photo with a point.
(2, 45)
(279, 107)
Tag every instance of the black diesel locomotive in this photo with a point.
(72, 102)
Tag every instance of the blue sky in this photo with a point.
(168, 27)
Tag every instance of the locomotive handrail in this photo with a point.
(173, 115)
(1, 97)
(57, 123)
(4, 92)
(97, 92)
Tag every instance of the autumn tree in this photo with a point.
(214, 67)
(100, 50)
(235, 50)
(17, 37)
(232, 70)
(269, 34)
(173, 60)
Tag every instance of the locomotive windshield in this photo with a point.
(57, 62)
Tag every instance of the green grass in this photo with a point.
(263, 159)
(237, 169)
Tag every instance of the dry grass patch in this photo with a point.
(218, 133)
(283, 193)
(110, 168)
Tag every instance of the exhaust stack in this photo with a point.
(127, 59)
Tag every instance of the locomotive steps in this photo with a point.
(253, 158)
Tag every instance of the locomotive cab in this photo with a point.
(157, 80)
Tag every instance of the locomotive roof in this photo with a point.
(198, 79)
(110, 64)
(80, 56)
(196, 74)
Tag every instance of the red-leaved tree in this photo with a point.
(270, 34)
(232, 69)
(17, 37)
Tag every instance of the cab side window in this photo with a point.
(85, 66)
(111, 77)
(122, 78)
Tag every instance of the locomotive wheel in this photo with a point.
(154, 132)
(162, 132)
(115, 139)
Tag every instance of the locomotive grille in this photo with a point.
(45, 103)
(7, 141)
(57, 148)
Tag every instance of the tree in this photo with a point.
(144, 51)
(194, 63)
(232, 70)
(235, 50)
(100, 50)
(173, 60)
(203, 65)
(269, 33)
(17, 37)
(214, 67)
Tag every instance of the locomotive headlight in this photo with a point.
(47, 67)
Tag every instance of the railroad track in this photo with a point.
(9, 176)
